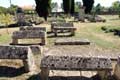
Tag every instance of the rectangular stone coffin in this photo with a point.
(75, 63)
(28, 34)
(13, 52)
(72, 41)
(34, 28)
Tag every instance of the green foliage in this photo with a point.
(98, 8)
(116, 5)
(12, 9)
(5, 19)
(54, 6)
(3, 10)
(77, 6)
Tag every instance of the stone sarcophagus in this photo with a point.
(76, 63)
(12, 52)
(24, 53)
(29, 34)
(63, 59)
(34, 28)
(63, 27)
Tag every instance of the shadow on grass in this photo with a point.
(96, 77)
(11, 71)
(115, 31)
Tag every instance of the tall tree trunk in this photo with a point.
(88, 4)
(68, 6)
(72, 6)
(43, 8)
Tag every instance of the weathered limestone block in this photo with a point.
(117, 70)
(13, 52)
(75, 63)
(81, 14)
(61, 25)
(33, 58)
(24, 53)
(44, 74)
(34, 28)
(63, 58)
(72, 41)
(29, 34)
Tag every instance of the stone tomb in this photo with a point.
(34, 28)
(117, 69)
(63, 27)
(28, 34)
(55, 59)
(72, 41)
(24, 53)
(95, 18)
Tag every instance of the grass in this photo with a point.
(91, 31)
(4, 38)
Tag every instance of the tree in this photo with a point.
(98, 8)
(77, 6)
(6, 20)
(43, 8)
(3, 10)
(12, 9)
(72, 7)
(116, 5)
(54, 6)
(88, 4)
(68, 6)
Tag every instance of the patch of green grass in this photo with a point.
(5, 38)
(98, 41)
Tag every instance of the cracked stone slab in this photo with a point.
(28, 34)
(72, 41)
(63, 59)
(13, 52)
